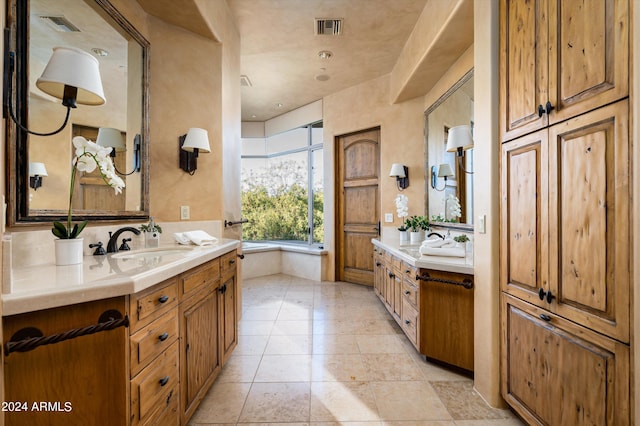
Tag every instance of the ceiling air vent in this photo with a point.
(328, 26)
(244, 81)
(60, 23)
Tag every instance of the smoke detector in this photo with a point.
(326, 26)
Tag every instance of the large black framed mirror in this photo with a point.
(454, 108)
(34, 27)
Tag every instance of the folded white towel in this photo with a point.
(199, 238)
(439, 243)
(448, 252)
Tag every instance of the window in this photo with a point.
(282, 186)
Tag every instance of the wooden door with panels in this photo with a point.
(357, 204)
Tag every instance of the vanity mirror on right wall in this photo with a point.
(449, 177)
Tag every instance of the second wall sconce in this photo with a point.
(458, 141)
(110, 137)
(444, 171)
(401, 173)
(36, 172)
(196, 140)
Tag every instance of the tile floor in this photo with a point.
(324, 353)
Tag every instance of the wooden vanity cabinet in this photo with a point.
(228, 304)
(72, 382)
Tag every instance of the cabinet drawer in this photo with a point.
(150, 304)
(155, 388)
(409, 321)
(149, 342)
(409, 272)
(228, 262)
(200, 277)
(410, 293)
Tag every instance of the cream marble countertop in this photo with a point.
(409, 253)
(46, 286)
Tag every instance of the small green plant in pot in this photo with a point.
(152, 233)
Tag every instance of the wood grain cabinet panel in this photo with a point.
(558, 373)
(559, 59)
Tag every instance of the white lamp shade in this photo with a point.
(444, 170)
(73, 67)
(110, 137)
(459, 137)
(197, 138)
(397, 170)
(37, 169)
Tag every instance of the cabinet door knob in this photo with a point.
(407, 322)
(232, 261)
(548, 108)
(541, 293)
(540, 110)
(163, 337)
(163, 299)
(164, 380)
(391, 275)
(545, 317)
(407, 292)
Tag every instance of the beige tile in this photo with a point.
(342, 401)
(290, 312)
(385, 326)
(222, 404)
(277, 402)
(251, 345)
(391, 367)
(331, 326)
(289, 345)
(421, 423)
(384, 344)
(514, 421)
(437, 372)
(335, 344)
(464, 403)
(239, 368)
(284, 368)
(255, 328)
(415, 401)
(260, 314)
(337, 368)
(291, 328)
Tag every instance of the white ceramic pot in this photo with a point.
(404, 236)
(151, 239)
(416, 237)
(69, 251)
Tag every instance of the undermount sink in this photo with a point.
(153, 252)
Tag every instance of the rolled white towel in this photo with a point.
(448, 252)
(199, 238)
(448, 242)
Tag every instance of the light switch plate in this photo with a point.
(185, 214)
(388, 217)
(482, 224)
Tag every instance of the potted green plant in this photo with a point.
(152, 233)
(415, 229)
(462, 240)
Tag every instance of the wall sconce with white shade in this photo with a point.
(110, 137)
(196, 140)
(401, 173)
(36, 172)
(71, 75)
(458, 141)
(444, 171)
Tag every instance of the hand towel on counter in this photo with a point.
(441, 243)
(448, 252)
(199, 238)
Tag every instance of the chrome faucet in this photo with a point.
(112, 245)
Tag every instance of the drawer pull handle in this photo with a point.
(232, 261)
(163, 337)
(407, 292)
(241, 256)
(163, 299)
(407, 322)
(391, 275)
(545, 317)
(164, 380)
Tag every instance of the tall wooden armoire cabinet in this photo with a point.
(565, 270)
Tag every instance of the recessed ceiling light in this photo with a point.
(100, 52)
(325, 54)
(322, 77)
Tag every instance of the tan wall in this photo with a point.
(363, 107)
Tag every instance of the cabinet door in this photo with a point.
(557, 373)
(523, 66)
(378, 272)
(200, 360)
(588, 55)
(524, 207)
(228, 315)
(589, 220)
(397, 297)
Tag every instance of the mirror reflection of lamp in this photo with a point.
(443, 171)
(458, 141)
(71, 74)
(401, 173)
(110, 137)
(196, 140)
(36, 172)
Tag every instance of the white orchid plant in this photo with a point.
(402, 208)
(89, 156)
(455, 211)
